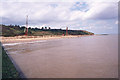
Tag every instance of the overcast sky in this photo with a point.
(100, 16)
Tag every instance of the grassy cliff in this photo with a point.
(15, 30)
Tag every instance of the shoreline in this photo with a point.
(59, 57)
(35, 38)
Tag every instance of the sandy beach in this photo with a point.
(34, 38)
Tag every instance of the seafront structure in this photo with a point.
(26, 29)
(66, 31)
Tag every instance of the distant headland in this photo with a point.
(16, 30)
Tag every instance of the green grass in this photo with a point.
(8, 69)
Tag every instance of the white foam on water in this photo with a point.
(13, 44)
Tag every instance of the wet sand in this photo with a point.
(79, 57)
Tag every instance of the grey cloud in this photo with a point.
(104, 11)
(55, 14)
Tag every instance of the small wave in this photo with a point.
(36, 41)
(13, 44)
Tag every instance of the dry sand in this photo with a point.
(33, 38)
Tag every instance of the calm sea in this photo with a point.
(81, 57)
